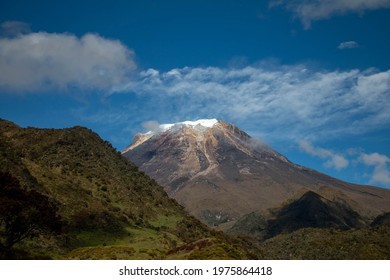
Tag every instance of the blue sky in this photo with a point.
(310, 78)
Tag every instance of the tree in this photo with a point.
(23, 214)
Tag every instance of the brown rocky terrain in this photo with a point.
(220, 174)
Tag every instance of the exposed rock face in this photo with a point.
(220, 173)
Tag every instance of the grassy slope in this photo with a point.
(312, 244)
(112, 211)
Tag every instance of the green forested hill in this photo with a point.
(108, 208)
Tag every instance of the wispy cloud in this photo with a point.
(381, 173)
(290, 100)
(348, 45)
(49, 61)
(14, 28)
(311, 10)
(333, 160)
(151, 125)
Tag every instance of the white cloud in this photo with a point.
(348, 45)
(374, 159)
(292, 101)
(334, 160)
(48, 61)
(312, 10)
(381, 173)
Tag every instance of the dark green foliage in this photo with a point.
(23, 214)
(316, 243)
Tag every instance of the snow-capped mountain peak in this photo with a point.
(199, 124)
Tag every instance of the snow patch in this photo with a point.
(198, 125)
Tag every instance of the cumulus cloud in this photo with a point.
(348, 45)
(282, 100)
(49, 61)
(311, 10)
(334, 160)
(381, 173)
